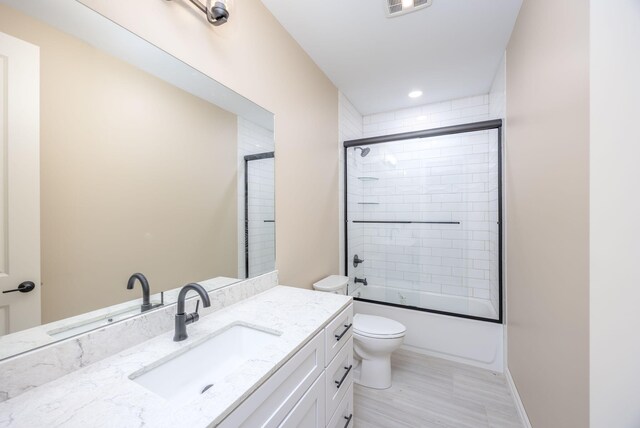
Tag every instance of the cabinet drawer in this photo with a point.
(338, 332)
(343, 417)
(309, 411)
(270, 403)
(339, 377)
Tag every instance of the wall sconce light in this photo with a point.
(217, 14)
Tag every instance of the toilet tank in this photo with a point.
(336, 284)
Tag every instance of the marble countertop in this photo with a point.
(102, 395)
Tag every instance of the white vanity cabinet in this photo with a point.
(343, 416)
(338, 331)
(339, 360)
(310, 410)
(313, 389)
(339, 377)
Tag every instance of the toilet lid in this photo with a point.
(374, 326)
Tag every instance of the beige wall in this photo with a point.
(136, 175)
(615, 211)
(547, 174)
(253, 55)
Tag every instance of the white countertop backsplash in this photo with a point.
(27, 340)
(32, 369)
(102, 395)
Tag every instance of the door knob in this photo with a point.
(25, 287)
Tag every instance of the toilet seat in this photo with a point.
(377, 327)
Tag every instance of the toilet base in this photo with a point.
(375, 374)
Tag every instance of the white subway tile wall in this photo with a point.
(442, 179)
(454, 112)
(349, 128)
(355, 234)
(350, 120)
(253, 139)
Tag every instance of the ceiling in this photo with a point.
(449, 50)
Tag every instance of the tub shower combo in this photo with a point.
(423, 220)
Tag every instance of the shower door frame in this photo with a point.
(247, 159)
(486, 125)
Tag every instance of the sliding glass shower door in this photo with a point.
(423, 220)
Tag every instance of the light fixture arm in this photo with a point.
(200, 6)
(216, 14)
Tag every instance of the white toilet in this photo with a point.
(374, 339)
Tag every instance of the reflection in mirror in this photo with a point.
(259, 212)
(142, 165)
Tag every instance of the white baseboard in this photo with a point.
(516, 397)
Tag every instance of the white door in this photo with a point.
(19, 184)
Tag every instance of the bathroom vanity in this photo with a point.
(313, 389)
(283, 357)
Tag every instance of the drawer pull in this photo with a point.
(344, 376)
(348, 418)
(347, 327)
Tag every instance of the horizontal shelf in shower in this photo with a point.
(368, 178)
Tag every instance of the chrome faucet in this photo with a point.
(182, 319)
(146, 303)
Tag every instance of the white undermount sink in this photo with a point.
(186, 375)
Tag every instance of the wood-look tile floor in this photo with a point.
(431, 392)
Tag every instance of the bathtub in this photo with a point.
(478, 343)
(439, 302)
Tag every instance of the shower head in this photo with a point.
(363, 151)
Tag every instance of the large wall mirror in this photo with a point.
(141, 165)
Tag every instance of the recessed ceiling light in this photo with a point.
(407, 3)
(415, 94)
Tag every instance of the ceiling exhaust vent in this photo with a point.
(400, 7)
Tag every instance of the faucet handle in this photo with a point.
(193, 316)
